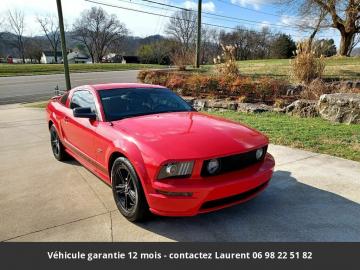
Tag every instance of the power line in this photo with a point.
(230, 18)
(219, 15)
(167, 16)
(156, 14)
(166, 5)
(208, 14)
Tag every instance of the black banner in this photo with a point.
(211, 255)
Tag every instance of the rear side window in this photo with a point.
(83, 99)
(64, 98)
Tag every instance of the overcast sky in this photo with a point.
(258, 13)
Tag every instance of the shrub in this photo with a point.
(315, 89)
(242, 85)
(193, 83)
(268, 89)
(176, 81)
(142, 74)
(209, 84)
(197, 84)
(155, 77)
(306, 67)
(249, 90)
(229, 68)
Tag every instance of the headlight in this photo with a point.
(259, 153)
(213, 166)
(176, 169)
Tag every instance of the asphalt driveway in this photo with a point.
(312, 197)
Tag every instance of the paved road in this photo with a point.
(312, 197)
(33, 88)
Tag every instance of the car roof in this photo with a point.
(108, 86)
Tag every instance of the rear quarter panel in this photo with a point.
(54, 112)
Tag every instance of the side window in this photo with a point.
(83, 99)
(64, 98)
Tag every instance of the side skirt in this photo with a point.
(88, 162)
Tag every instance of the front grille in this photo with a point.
(233, 199)
(234, 162)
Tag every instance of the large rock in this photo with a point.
(221, 104)
(200, 104)
(340, 107)
(214, 104)
(303, 108)
(253, 108)
(294, 90)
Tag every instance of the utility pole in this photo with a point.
(63, 45)
(198, 41)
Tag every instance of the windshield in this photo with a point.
(123, 103)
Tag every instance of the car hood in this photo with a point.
(189, 135)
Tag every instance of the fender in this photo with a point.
(131, 151)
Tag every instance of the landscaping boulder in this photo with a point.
(349, 84)
(253, 108)
(340, 107)
(190, 100)
(221, 104)
(294, 90)
(303, 108)
(200, 104)
(214, 104)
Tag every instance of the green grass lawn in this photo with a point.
(313, 134)
(344, 68)
(40, 69)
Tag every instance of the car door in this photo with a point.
(79, 133)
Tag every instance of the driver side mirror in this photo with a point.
(84, 113)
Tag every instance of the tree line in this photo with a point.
(97, 33)
(179, 43)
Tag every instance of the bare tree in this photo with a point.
(343, 15)
(33, 49)
(98, 30)
(50, 27)
(315, 25)
(210, 46)
(182, 27)
(182, 30)
(355, 42)
(1, 25)
(16, 23)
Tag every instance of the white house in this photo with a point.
(48, 57)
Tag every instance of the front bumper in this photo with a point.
(211, 193)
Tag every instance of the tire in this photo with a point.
(127, 190)
(57, 147)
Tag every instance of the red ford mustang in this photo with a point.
(156, 151)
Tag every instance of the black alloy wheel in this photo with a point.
(56, 145)
(127, 190)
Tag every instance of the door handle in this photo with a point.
(66, 119)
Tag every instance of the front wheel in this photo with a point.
(127, 190)
(56, 145)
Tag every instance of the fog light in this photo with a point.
(259, 153)
(175, 194)
(213, 166)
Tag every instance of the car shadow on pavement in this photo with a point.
(286, 211)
